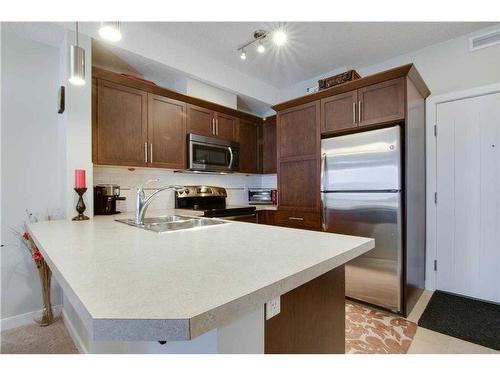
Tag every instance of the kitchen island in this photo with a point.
(202, 290)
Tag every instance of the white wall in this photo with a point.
(445, 67)
(31, 160)
(203, 91)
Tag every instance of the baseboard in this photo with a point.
(74, 334)
(24, 319)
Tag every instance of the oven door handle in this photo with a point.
(231, 156)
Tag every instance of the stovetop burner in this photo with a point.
(211, 200)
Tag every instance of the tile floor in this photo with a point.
(426, 341)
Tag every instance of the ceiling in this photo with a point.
(313, 47)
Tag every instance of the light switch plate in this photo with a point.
(273, 308)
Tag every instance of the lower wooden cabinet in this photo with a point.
(267, 217)
(298, 219)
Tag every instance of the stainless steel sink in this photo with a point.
(172, 223)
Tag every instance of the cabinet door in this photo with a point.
(269, 160)
(247, 137)
(121, 125)
(226, 126)
(298, 185)
(382, 102)
(166, 132)
(200, 121)
(338, 112)
(298, 131)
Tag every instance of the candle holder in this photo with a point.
(80, 206)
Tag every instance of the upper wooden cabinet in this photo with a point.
(269, 160)
(166, 132)
(249, 151)
(200, 121)
(210, 123)
(121, 127)
(382, 102)
(298, 131)
(373, 104)
(338, 112)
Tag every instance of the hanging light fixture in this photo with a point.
(261, 48)
(243, 55)
(110, 31)
(77, 63)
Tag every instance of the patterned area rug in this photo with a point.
(370, 331)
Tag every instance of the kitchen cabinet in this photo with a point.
(298, 142)
(248, 140)
(266, 217)
(269, 159)
(373, 104)
(120, 128)
(382, 102)
(209, 123)
(338, 112)
(166, 132)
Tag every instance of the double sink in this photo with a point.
(172, 223)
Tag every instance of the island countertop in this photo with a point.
(133, 284)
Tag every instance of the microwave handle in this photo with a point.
(230, 157)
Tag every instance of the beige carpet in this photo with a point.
(371, 331)
(33, 339)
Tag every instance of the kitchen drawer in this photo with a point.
(298, 219)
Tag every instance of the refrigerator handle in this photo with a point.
(323, 170)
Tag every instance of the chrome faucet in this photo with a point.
(142, 203)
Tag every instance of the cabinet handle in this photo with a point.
(217, 127)
(150, 152)
(360, 104)
(354, 112)
(295, 218)
(146, 152)
(213, 126)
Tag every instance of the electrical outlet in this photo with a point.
(273, 308)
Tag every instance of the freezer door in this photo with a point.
(363, 161)
(376, 276)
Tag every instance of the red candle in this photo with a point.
(80, 178)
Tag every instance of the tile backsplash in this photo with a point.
(236, 184)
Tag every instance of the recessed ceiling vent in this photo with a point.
(485, 40)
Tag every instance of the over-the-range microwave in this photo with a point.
(208, 154)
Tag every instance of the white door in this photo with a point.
(468, 186)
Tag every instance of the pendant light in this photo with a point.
(110, 31)
(77, 63)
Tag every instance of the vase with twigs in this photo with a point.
(44, 272)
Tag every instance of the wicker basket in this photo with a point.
(338, 79)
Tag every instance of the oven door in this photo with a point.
(206, 154)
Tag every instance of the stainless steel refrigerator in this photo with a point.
(361, 193)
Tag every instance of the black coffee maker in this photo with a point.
(105, 197)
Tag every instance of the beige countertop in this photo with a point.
(133, 284)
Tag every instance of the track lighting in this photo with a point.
(77, 63)
(243, 55)
(279, 37)
(261, 48)
(110, 31)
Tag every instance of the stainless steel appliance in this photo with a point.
(262, 196)
(361, 192)
(105, 197)
(211, 200)
(207, 154)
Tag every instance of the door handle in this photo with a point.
(150, 152)
(360, 104)
(146, 152)
(354, 112)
